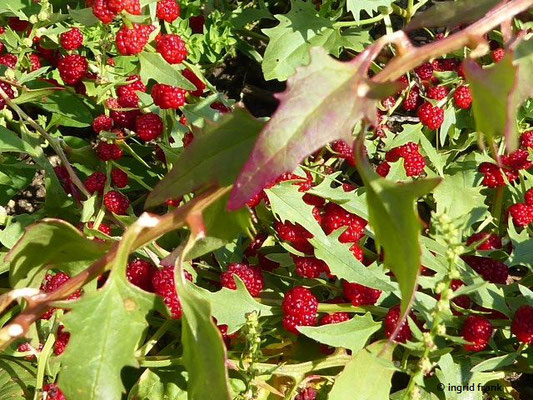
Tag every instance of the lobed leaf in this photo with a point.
(50, 242)
(352, 334)
(321, 104)
(215, 157)
(372, 370)
(396, 224)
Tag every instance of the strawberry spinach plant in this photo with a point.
(271, 199)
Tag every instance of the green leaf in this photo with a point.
(320, 105)
(396, 223)
(161, 384)
(495, 363)
(288, 48)
(105, 329)
(522, 245)
(286, 202)
(84, 16)
(458, 374)
(230, 307)
(493, 103)
(153, 66)
(459, 196)
(99, 337)
(356, 6)
(215, 157)
(15, 176)
(50, 242)
(17, 379)
(372, 370)
(68, 109)
(352, 334)
(29, 96)
(451, 14)
(204, 352)
(9, 141)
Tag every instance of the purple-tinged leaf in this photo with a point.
(322, 103)
(451, 14)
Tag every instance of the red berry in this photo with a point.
(497, 55)
(296, 235)
(163, 284)
(140, 273)
(191, 76)
(108, 151)
(360, 295)
(383, 169)
(149, 126)
(35, 62)
(334, 318)
(478, 331)
(95, 182)
(134, 85)
(72, 39)
(61, 341)
(116, 202)
(357, 252)
(196, 22)
(313, 200)
(220, 107)
(493, 176)
(391, 321)
(526, 140)
(491, 270)
(187, 139)
(172, 48)
(166, 96)
(462, 97)
(72, 68)
(336, 217)
(9, 60)
(168, 10)
(344, 150)
(53, 392)
(413, 100)
(104, 228)
(462, 301)
(102, 11)
(132, 41)
(518, 159)
(431, 116)
(309, 267)
(424, 71)
(131, 6)
(522, 214)
(9, 91)
(17, 24)
(120, 178)
(522, 325)
(124, 119)
(102, 123)
(53, 282)
(251, 277)
(491, 241)
(414, 165)
(438, 92)
(300, 308)
(308, 393)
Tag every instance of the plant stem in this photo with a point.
(345, 24)
(53, 142)
(298, 370)
(412, 57)
(159, 361)
(145, 349)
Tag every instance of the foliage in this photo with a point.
(169, 231)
